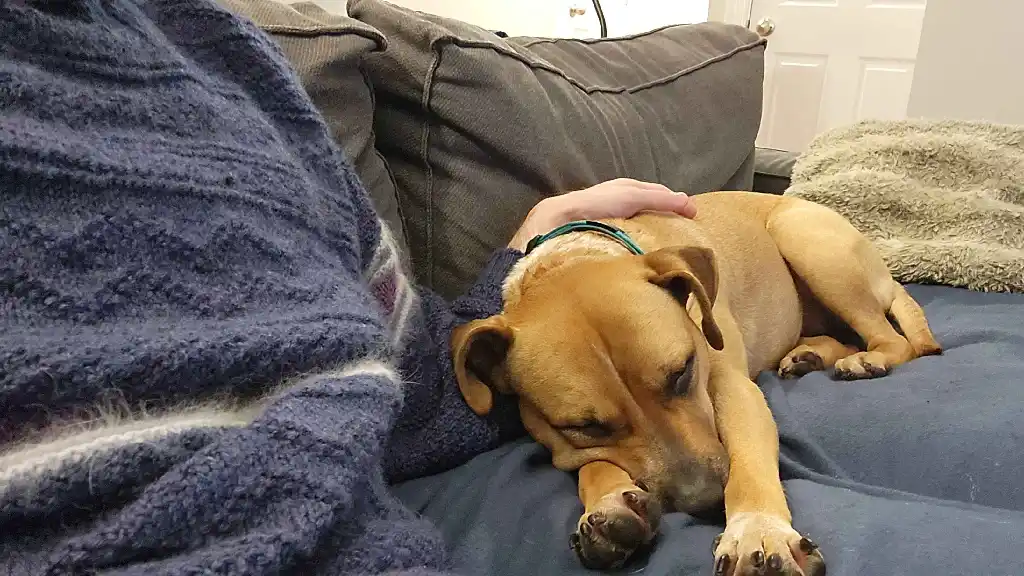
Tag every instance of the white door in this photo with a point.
(834, 62)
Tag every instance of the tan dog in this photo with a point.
(637, 370)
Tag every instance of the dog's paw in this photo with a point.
(862, 365)
(621, 523)
(800, 361)
(763, 545)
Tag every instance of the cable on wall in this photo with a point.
(600, 18)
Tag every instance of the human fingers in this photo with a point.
(654, 186)
(664, 200)
(633, 184)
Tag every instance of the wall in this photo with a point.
(550, 17)
(634, 16)
(717, 11)
(516, 17)
(969, 62)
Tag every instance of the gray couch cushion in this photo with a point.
(477, 128)
(326, 51)
(773, 169)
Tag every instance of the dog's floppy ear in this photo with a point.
(686, 270)
(479, 349)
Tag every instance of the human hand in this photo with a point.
(619, 198)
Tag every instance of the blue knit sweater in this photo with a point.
(211, 359)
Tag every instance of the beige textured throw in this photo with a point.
(942, 200)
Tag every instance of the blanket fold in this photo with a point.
(942, 200)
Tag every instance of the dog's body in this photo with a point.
(637, 370)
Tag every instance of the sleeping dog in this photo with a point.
(632, 345)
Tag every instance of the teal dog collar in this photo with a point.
(586, 226)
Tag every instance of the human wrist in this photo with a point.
(545, 216)
(558, 210)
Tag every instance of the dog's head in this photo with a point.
(609, 358)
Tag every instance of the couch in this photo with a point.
(457, 132)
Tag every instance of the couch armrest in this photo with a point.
(772, 170)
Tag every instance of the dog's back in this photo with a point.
(768, 249)
(755, 284)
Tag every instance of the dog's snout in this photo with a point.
(694, 487)
(703, 486)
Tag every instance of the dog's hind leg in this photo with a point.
(910, 317)
(848, 276)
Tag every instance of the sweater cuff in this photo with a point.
(488, 285)
(500, 264)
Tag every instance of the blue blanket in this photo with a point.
(914, 474)
(211, 360)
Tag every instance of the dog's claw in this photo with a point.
(762, 545)
(722, 565)
(636, 503)
(807, 545)
(757, 559)
(574, 541)
(715, 543)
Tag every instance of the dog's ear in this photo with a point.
(686, 270)
(479, 349)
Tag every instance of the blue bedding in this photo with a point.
(918, 473)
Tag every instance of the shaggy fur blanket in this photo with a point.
(942, 200)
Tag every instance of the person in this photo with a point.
(211, 357)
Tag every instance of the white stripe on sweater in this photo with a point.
(111, 432)
(387, 259)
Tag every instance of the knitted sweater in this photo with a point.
(211, 359)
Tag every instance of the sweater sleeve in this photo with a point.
(436, 430)
(484, 299)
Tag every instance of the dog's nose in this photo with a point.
(697, 494)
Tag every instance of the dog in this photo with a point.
(632, 346)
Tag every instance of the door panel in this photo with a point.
(792, 108)
(884, 89)
(834, 62)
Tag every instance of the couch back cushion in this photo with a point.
(477, 129)
(326, 50)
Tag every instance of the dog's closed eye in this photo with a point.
(590, 429)
(679, 381)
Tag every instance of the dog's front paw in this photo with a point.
(620, 524)
(764, 545)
